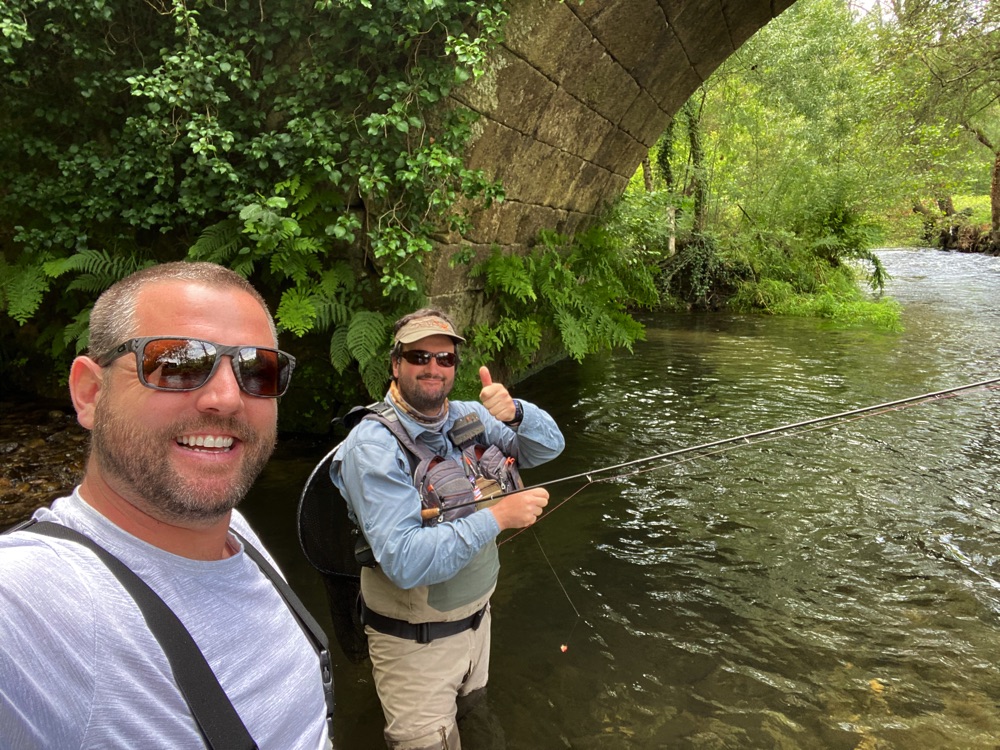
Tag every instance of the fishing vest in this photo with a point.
(335, 547)
(448, 490)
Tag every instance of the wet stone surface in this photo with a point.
(42, 454)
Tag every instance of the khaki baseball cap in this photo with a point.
(430, 325)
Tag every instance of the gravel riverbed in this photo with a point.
(42, 455)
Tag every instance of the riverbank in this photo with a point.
(42, 454)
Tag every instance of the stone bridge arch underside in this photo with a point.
(570, 104)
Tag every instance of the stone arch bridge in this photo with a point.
(569, 106)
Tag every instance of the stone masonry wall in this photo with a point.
(569, 106)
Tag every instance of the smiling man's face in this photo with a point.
(186, 456)
(425, 387)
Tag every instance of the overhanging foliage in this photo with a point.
(304, 145)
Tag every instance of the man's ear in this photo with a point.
(86, 380)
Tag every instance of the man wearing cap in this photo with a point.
(426, 600)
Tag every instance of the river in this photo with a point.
(831, 588)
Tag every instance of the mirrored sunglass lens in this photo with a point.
(417, 357)
(445, 359)
(420, 357)
(177, 364)
(263, 372)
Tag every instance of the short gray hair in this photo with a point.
(112, 319)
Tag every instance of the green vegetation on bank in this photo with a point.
(570, 296)
(977, 206)
(829, 133)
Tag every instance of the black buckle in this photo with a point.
(477, 618)
(326, 670)
(423, 632)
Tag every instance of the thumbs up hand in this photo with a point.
(495, 397)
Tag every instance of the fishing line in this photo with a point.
(750, 438)
(710, 454)
(565, 646)
(724, 445)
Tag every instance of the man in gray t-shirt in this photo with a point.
(180, 393)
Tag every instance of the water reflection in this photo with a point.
(836, 589)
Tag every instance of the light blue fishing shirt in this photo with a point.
(372, 471)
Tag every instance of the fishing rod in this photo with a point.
(746, 438)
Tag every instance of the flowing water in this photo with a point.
(829, 588)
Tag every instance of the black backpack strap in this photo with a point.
(306, 621)
(210, 706)
(384, 414)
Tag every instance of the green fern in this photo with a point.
(508, 274)
(300, 263)
(98, 269)
(77, 332)
(24, 287)
(367, 336)
(245, 264)
(578, 290)
(218, 243)
(340, 355)
(296, 311)
(99, 264)
(512, 340)
(574, 334)
(330, 313)
(333, 297)
(375, 375)
(88, 261)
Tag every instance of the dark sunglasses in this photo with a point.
(175, 363)
(420, 357)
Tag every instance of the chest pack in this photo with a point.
(449, 489)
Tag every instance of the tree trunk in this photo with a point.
(697, 165)
(995, 203)
(672, 242)
(647, 174)
(994, 242)
(665, 155)
(929, 221)
(664, 165)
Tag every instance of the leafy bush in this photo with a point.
(308, 146)
(789, 277)
(698, 276)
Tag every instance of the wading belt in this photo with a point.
(421, 632)
(218, 721)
